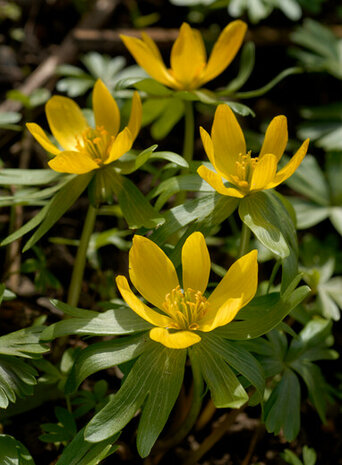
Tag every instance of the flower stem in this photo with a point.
(244, 240)
(80, 261)
(189, 131)
(193, 412)
(188, 145)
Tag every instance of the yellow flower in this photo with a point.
(226, 149)
(86, 148)
(189, 67)
(185, 310)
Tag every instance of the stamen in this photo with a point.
(96, 143)
(244, 167)
(186, 308)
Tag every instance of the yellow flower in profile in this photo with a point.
(189, 66)
(183, 312)
(85, 148)
(226, 150)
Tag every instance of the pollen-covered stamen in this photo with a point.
(96, 142)
(244, 169)
(186, 308)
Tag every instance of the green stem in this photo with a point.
(244, 240)
(189, 131)
(273, 275)
(193, 412)
(188, 145)
(80, 260)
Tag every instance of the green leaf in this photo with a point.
(187, 182)
(163, 391)
(171, 157)
(13, 452)
(29, 196)
(309, 456)
(322, 46)
(172, 113)
(23, 343)
(152, 87)
(212, 208)
(308, 214)
(75, 86)
(239, 108)
(334, 173)
(39, 97)
(258, 213)
(9, 117)
(16, 379)
(291, 458)
(30, 177)
(282, 409)
(59, 204)
(238, 358)
(316, 385)
(27, 227)
(247, 61)
(309, 180)
(225, 388)
(120, 320)
(152, 109)
(262, 315)
(81, 452)
(103, 355)
(137, 211)
(159, 365)
(2, 292)
(336, 218)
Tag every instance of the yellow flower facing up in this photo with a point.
(226, 150)
(189, 66)
(85, 148)
(185, 311)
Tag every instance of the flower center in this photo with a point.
(96, 143)
(244, 169)
(186, 308)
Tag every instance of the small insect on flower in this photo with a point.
(85, 148)
(184, 312)
(226, 149)
(189, 66)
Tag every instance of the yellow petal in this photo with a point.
(224, 315)
(208, 146)
(151, 271)
(66, 121)
(134, 123)
(106, 111)
(138, 306)
(152, 46)
(215, 181)
(39, 134)
(73, 162)
(291, 166)
(275, 138)
(225, 49)
(188, 56)
(264, 172)
(195, 263)
(228, 140)
(234, 291)
(174, 340)
(122, 143)
(145, 55)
